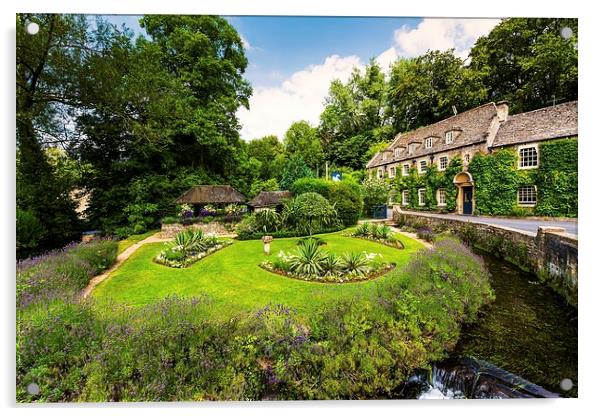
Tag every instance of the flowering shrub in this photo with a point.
(426, 233)
(312, 263)
(62, 273)
(186, 211)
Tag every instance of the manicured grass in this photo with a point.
(233, 280)
(133, 239)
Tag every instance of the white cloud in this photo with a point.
(441, 34)
(245, 42)
(300, 97)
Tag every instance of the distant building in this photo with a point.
(483, 129)
(269, 200)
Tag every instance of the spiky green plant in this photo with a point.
(355, 264)
(189, 241)
(383, 232)
(331, 264)
(374, 230)
(309, 259)
(362, 230)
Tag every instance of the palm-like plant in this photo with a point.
(267, 220)
(189, 241)
(331, 264)
(362, 230)
(374, 230)
(355, 264)
(309, 259)
(383, 232)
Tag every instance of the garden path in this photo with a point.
(123, 256)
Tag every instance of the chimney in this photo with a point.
(502, 110)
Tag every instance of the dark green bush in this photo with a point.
(317, 185)
(347, 199)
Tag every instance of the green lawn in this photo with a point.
(133, 239)
(233, 280)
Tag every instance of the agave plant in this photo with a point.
(383, 232)
(374, 230)
(331, 264)
(267, 220)
(309, 259)
(362, 230)
(355, 264)
(189, 241)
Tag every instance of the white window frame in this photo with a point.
(397, 153)
(520, 160)
(380, 173)
(428, 143)
(405, 194)
(422, 197)
(467, 158)
(446, 162)
(449, 137)
(394, 170)
(405, 172)
(441, 192)
(426, 166)
(526, 204)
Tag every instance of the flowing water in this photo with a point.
(527, 338)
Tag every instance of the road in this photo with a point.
(526, 225)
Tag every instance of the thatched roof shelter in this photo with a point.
(269, 199)
(211, 194)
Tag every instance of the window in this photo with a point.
(441, 197)
(527, 195)
(449, 137)
(428, 143)
(380, 173)
(397, 153)
(423, 166)
(527, 157)
(467, 158)
(421, 197)
(405, 197)
(392, 172)
(406, 170)
(443, 163)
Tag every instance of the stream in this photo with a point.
(523, 345)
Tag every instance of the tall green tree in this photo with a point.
(268, 151)
(354, 118)
(528, 62)
(301, 140)
(425, 89)
(50, 67)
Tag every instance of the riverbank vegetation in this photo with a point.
(173, 349)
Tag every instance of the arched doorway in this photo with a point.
(465, 202)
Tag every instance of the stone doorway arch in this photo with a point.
(465, 202)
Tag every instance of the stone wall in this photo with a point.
(552, 254)
(218, 228)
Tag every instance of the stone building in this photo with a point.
(483, 129)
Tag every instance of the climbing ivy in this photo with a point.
(431, 181)
(557, 178)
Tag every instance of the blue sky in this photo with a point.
(293, 60)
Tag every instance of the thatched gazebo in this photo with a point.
(211, 194)
(269, 199)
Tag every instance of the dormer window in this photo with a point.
(449, 137)
(384, 155)
(397, 153)
(428, 142)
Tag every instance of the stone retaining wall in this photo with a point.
(552, 254)
(218, 228)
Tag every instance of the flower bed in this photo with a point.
(312, 263)
(377, 233)
(188, 248)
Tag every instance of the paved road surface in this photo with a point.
(522, 224)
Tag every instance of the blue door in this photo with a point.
(467, 200)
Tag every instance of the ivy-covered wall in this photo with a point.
(497, 179)
(432, 180)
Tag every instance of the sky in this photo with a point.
(293, 59)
